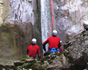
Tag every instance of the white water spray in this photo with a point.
(45, 19)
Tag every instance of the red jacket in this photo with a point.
(53, 42)
(33, 50)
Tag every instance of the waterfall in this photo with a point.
(22, 12)
(45, 19)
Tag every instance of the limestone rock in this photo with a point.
(19, 23)
(77, 49)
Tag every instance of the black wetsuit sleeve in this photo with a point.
(44, 46)
(59, 45)
(27, 51)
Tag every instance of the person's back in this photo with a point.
(33, 49)
(53, 42)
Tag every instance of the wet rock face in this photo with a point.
(27, 12)
(77, 49)
(1, 6)
(12, 43)
(20, 22)
(4, 10)
(21, 11)
(69, 16)
(8, 42)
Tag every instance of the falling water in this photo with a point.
(68, 15)
(65, 16)
(45, 19)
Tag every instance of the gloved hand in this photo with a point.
(40, 57)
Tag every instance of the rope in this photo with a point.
(52, 22)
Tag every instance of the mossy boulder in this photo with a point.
(54, 61)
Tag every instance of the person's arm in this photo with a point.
(59, 46)
(44, 43)
(60, 43)
(39, 55)
(27, 51)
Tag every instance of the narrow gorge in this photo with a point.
(22, 20)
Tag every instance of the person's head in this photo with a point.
(34, 41)
(54, 33)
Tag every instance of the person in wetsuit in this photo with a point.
(54, 44)
(33, 49)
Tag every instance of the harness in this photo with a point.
(32, 57)
(54, 50)
(51, 50)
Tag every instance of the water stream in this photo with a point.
(45, 19)
(67, 16)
